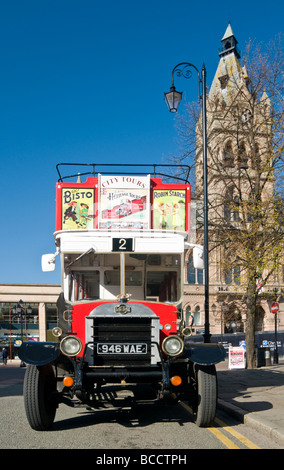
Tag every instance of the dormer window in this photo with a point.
(224, 81)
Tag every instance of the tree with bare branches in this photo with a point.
(245, 170)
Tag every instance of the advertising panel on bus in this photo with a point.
(124, 202)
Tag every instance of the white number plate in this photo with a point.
(121, 348)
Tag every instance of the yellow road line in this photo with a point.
(236, 434)
(226, 441)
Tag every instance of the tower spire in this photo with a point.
(229, 43)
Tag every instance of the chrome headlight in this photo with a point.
(71, 346)
(172, 345)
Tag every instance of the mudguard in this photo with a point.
(39, 353)
(204, 353)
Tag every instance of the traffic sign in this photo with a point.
(275, 307)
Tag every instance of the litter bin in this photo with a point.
(267, 356)
(259, 357)
(263, 357)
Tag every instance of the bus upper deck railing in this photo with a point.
(101, 168)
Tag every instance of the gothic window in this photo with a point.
(228, 156)
(255, 159)
(192, 317)
(228, 45)
(232, 271)
(228, 205)
(242, 156)
(236, 209)
(233, 321)
(197, 316)
(231, 206)
(227, 212)
(250, 208)
(189, 316)
(232, 275)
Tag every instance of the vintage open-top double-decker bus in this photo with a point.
(121, 238)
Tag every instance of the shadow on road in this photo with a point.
(244, 387)
(138, 416)
(11, 380)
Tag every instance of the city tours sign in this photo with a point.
(124, 202)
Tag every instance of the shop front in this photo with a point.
(28, 312)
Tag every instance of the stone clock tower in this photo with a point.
(233, 157)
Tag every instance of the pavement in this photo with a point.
(253, 396)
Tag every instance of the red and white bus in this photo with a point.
(121, 238)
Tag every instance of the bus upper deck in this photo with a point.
(122, 232)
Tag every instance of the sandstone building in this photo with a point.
(232, 160)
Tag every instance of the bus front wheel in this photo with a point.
(39, 390)
(204, 394)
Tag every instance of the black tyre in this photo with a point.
(39, 388)
(205, 395)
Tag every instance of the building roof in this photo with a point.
(228, 32)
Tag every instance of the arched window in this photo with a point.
(192, 317)
(255, 158)
(233, 275)
(236, 209)
(242, 156)
(189, 316)
(228, 155)
(250, 207)
(197, 316)
(228, 204)
(233, 322)
(231, 206)
(232, 270)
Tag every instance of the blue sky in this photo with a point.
(83, 81)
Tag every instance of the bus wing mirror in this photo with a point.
(48, 262)
(198, 258)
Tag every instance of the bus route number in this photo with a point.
(122, 244)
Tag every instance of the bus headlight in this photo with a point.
(71, 346)
(172, 345)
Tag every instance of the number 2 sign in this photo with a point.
(122, 244)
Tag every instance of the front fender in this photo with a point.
(39, 353)
(204, 353)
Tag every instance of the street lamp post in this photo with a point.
(23, 313)
(173, 99)
(274, 310)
